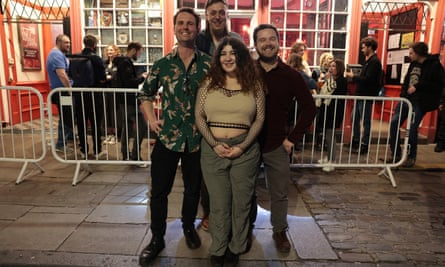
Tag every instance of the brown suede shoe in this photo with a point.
(281, 242)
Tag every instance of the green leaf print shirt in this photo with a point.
(179, 89)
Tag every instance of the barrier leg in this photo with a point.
(21, 174)
(388, 174)
(77, 172)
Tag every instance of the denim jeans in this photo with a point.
(362, 111)
(133, 126)
(400, 115)
(64, 128)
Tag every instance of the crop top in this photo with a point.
(220, 107)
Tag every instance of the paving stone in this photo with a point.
(355, 257)
(390, 257)
(13, 212)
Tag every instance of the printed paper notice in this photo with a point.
(394, 41)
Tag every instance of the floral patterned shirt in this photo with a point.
(179, 90)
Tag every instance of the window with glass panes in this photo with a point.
(320, 24)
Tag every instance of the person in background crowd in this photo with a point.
(368, 84)
(319, 74)
(89, 106)
(179, 73)
(299, 48)
(296, 62)
(112, 123)
(230, 153)
(133, 121)
(57, 65)
(284, 85)
(216, 15)
(422, 86)
(331, 111)
(440, 135)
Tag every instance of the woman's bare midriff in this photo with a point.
(227, 132)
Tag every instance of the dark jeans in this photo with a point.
(65, 127)
(134, 126)
(400, 115)
(362, 112)
(163, 170)
(440, 136)
(89, 108)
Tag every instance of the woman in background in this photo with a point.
(331, 111)
(110, 52)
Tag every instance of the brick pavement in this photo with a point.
(102, 221)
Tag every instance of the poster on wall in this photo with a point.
(29, 45)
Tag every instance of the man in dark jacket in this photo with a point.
(440, 135)
(422, 86)
(126, 77)
(368, 84)
(89, 106)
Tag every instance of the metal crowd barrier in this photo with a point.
(22, 135)
(107, 115)
(313, 150)
(28, 146)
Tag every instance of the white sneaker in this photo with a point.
(143, 165)
(101, 154)
(329, 167)
(82, 155)
(112, 140)
(323, 160)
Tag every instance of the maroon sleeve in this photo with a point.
(306, 109)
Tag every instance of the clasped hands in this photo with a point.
(224, 150)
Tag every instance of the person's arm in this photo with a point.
(201, 117)
(372, 73)
(257, 124)
(99, 70)
(149, 111)
(127, 74)
(63, 76)
(148, 96)
(306, 112)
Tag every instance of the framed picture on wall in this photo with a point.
(29, 45)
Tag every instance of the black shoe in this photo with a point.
(410, 162)
(217, 261)
(192, 238)
(392, 160)
(439, 148)
(230, 258)
(149, 254)
(363, 149)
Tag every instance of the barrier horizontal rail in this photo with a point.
(19, 142)
(319, 150)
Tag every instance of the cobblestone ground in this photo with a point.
(367, 220)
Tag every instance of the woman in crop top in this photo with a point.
(230, 114)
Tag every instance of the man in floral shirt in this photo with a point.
(179, 74)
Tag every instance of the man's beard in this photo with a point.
(267, 59)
